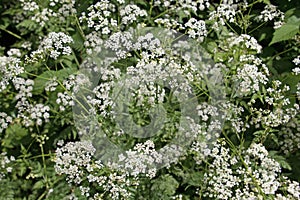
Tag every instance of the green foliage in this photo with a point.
(32, 149)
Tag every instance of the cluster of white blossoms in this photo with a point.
(5, 162)
(234, 115)
(29, 5)
(75, 160)
(51, 85)
(5, 120)
(65, 99)
(186, 6)
(257, 177)
(44, 15)
(245, 40)
(224, 12)
(196, 29)
(30, 113)
(58, 10)
(130, 13)
(270, 13)
(65, 8)
(296, 61)
(250, 77)
(93, 42)
(290, 136)
(100, 17)
(282, 112)
(169, 23)
(39, 113)
(140, 159)
(10, 67)
(251, 73)
(207, 131)
(56, 44)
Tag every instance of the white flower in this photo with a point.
(297, 60)
(56, 44)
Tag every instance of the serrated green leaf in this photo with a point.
(285, 32)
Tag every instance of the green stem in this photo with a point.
(79, 27)
(284, 51)
(11, 33)
(257, 27)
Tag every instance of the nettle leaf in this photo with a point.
(286, 31)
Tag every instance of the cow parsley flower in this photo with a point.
(297, 60)
(225, 12)
(246, 40)
(5, 164)
(5, 120)
(270, 13)
(10, 67)
(196, 29)
(259, 174)
(72, 158)
(290, 136)
(56, 44)
(130, 14)
(100, 17)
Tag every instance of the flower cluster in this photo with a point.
(10, 67)
(225, 12)
(283, 110)
(5, 163)
(290, 134)
(58, 10)
(99, 17)
(130, 13)
(258, 175)
(196, 29)
(75, 160)
(56, 44)
(5, 120)
(160, 99)
(138, 160)
(270, 13)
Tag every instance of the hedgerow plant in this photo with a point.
(243, 144)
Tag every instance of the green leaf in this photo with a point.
(285, 32)
(39, 184)
(280, 159)
(28, 24)
(41, 81)
(265, 1)
(293, 20)
(164, 187)
(13, 134)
